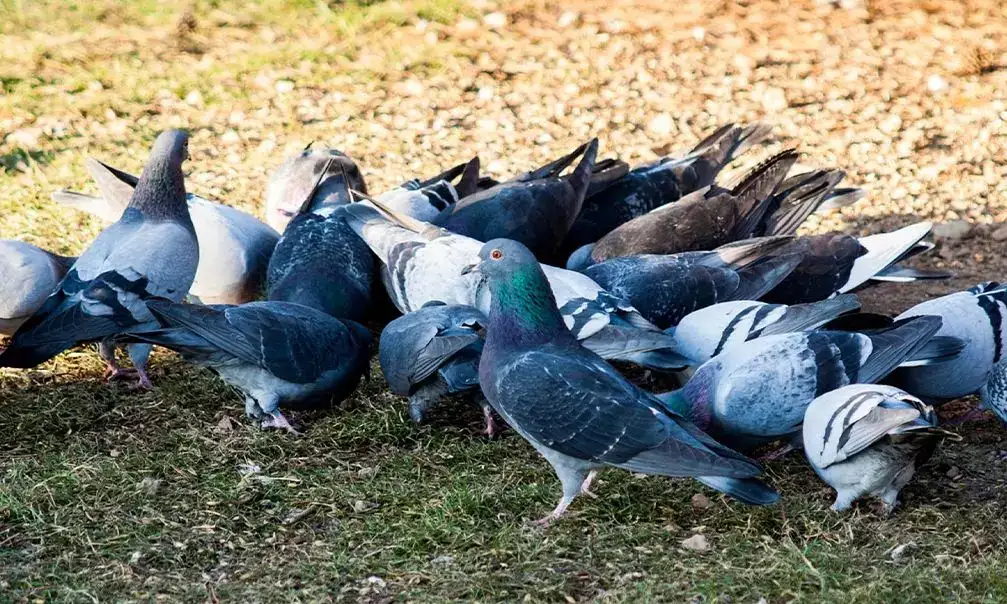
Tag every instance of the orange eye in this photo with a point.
(496, 254)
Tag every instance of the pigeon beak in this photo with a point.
(472, 268)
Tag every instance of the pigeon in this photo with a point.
(29, 274)
(714, 216)
(151, 251)
(572, 406)
(275, 353)
(757, 392)
(667, 288)
(866, 439)
(322, 175)
(707, 332)
(429, 199)
(537, 208)
(422, 264)
(320, 261)
(653, 185)
(836, 263)
(433, 352)
(979, 317)
(234, 247)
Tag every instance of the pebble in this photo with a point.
(696, 543)
(1000, 234)
(700, 501)
(495, 20)
(955, 230)
(660, 125)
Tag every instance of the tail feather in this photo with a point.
(606, 173)
(650, 349)
(840, 198)
(754, 192)
(892, 347)
(905, 274)
(744, 252)
(937, 350)
(116, 187)
(804, 317)
(581, 177)
(883, 250)
(795, 199)
(95, 206)
(553, 168)
(760, 277)
(751, 491)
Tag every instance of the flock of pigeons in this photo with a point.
(665, 269)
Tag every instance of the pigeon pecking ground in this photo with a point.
(117, 496)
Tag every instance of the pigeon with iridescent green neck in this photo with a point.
(572, 406)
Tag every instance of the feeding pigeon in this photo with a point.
(426, 200)
(705, 333)
(320, 261)
(275, 353)
(757, 392)
(234, 247)
(666, 288)
(653, 185)
(151, 251)
(714, 216)
(840, 263)
(537, 208)
(866, 439)
(432, 352)
(28, 274)
(977, 316)
(423, 264)
(572, 406)
(320, 174)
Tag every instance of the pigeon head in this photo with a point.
(160, 191)
(523, 307)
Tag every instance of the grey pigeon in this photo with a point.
(28, 274)
(753, 393)
(666, 288)
(320, 174)
(707, 332)
(234, 247)
(275, 353)
(433, 352)
(537, 208)
(320, 261)
(866, 439)
(422, 263)
(572, 406)
(979, 317)
(151, 251)
(426, 200)
(653, 185)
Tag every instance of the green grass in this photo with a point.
(108, 495)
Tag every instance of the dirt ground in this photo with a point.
(109, 496)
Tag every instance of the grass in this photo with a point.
(108, 495)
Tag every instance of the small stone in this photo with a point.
(194, 98)
(224, 426)
(114, 453)
(24, 137)
(443, 560)
(359, 506)
(891, 124)
(135, 557)
(413, 88)
(150, 485)
(774, 99)
(467, 26)
(953, 472)
(660, 125)
(899, 552)
(700, 501)
(696, 543)
(567, 19)
(698, 34)
(1000, 234)
(230, 138)
(284, 86)
(936, 83)
(376, 582)
(955, 230)
(495, 20)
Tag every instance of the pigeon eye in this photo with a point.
(496, 254)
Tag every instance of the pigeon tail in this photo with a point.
(754, 194)
(751, 491)
(89, 204)
(795, 199)
(892, 347)
(883, 250)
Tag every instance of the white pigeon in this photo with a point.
(868, 439)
